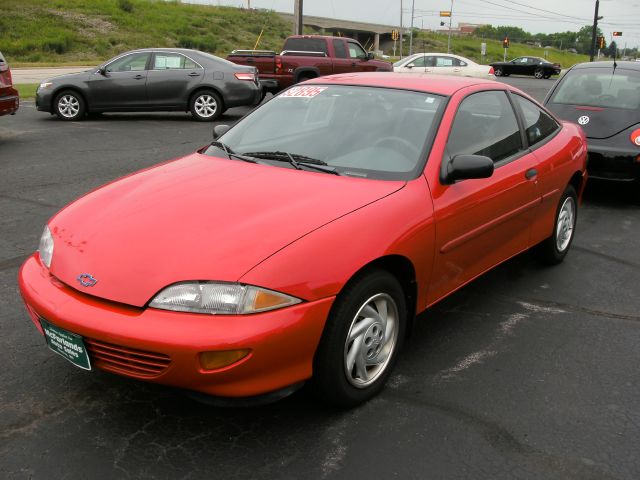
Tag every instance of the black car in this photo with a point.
(604, 98)
(158, 79)
(536, 66)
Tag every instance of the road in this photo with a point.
(37, 75)
(527, 373)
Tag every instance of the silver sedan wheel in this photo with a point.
(538, 73)
(206, 106)
(565, 224)
(371, 340)
(68, 106)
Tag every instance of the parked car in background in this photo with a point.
(604, 98)
(442, 63)
(391, 190)
(158, 79)
(308, 56)
(536, 66)
(9, 97)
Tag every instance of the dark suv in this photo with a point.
(9, 98)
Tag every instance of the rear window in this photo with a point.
(306, 44)
(600, 87)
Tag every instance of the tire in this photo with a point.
(497, 71)
(69, 106)
(372, 352)
(305, 77)
(553, 250)
(206, 106)
(539, 73)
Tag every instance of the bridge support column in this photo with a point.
(376, 42)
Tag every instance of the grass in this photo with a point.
(26, 90)
(77, 32)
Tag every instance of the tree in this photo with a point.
(611, 50)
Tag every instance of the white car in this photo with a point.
(442, 63)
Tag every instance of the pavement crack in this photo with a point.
(12, 262)
(31, 201)
(621, 261)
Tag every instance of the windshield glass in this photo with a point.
(359, 131)
(600, 87)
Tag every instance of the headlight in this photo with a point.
(45, 85)
(45, 249)
(220, 298)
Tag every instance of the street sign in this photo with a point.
(445, 13)
(617, 34)
(483, 48)
(395, 35)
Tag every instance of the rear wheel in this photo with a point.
(539, 73)
(497, 71)
(69, 105)
(305, 77)
(363, 335)
(205, 106)
(553, 250)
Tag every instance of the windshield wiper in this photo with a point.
(298, 161)
(230, 153)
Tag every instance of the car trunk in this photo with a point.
(603, 122)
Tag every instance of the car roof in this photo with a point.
(621, 64)
(440, 84)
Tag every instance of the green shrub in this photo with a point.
(125, 5)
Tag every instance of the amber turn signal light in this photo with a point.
(219, 359)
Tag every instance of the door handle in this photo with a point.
(354, 64)
(249, 60)
(139, 77)
(531, 173)
(193, 74)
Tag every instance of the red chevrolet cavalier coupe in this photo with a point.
(302, 242)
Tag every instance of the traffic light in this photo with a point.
(505, 42)
(617, 34)
(442, 24)
(601, 43)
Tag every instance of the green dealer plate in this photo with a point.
(67, 344)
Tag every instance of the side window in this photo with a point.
(129, 63)
(459, 63)
(485, 124)
(341, 51)
(538, 124)
(172, 61)
(444, 62)
(356, 51)
(418, 62)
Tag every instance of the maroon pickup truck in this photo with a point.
(308, 56)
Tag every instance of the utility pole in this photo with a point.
(297, 17)
(594, 32)
(450, 19)
(400, 29)
(413, 4)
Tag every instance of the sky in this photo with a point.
(539, 16)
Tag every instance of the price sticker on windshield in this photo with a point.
(303, 92)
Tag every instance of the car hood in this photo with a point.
(196, 218)
(71, 77)
(603, 122)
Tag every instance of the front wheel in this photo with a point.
(539, 73)
(206, 106)
(69, 106)
(362, 337)
(498, 72)
(553, 250)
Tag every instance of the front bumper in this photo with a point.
(612, 163)
(43, 99)
(282, 342)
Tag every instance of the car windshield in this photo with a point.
(358, 131)
(600, 87)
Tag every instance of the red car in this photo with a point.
(300, 244)
(9, 97)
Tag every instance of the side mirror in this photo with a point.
(409, 65)
(370, 56)
(103, 71)
(463, 167)
(220, 130)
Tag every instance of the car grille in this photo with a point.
(126, 360)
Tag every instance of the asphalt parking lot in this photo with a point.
(529, 372)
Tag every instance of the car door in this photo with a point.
(358, 58)
(171, 78)
(482, 222)
(120, 84)
(445, 65)
(341, 61)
